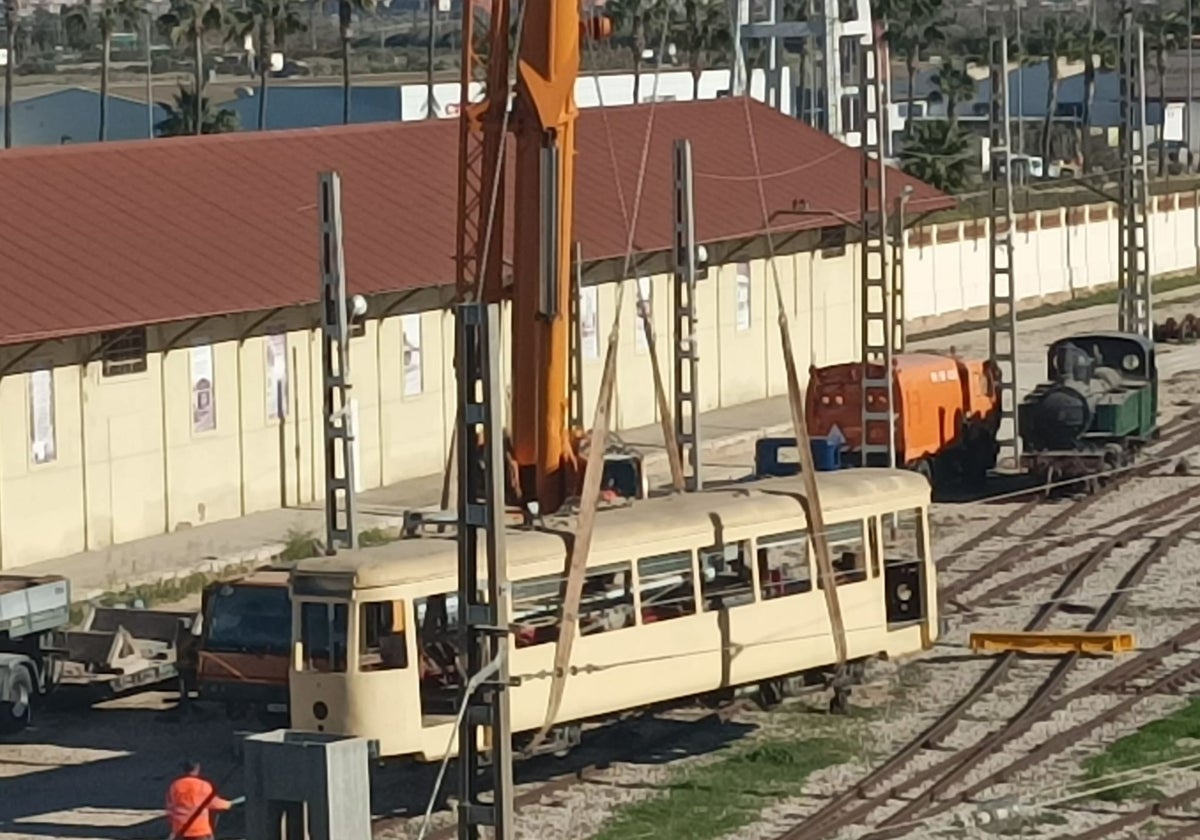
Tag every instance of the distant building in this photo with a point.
(312, 106)
(72, 115)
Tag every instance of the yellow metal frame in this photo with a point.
(1052, 642)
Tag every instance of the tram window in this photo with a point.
(666, 586)
(323, 635)
(607, 602)
(382, 643)
(903, 536)
(847, 551)
(783, 564)
(535, 607)
(725, 577)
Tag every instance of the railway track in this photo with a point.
(611, 748)
(922, 789)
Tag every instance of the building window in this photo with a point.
(852, 120)
(204, 403)
(124, 351)
(41, 416)
(410, 332)
(833, 242)
(851, 58)
(743, 296)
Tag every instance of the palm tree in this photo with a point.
(186, 23)
(1055, 39)
(107, 16)
(938, 154)
(703, 31)
(10, 40)
(181, 116)
(909, 26)
(1097, 49)
(271, 22)
(346, 12)
(1166, 30)
(639, 18)
(957, 86)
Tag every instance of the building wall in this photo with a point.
(1057, 253)
(131, 459)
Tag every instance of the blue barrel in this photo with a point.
(827, 455)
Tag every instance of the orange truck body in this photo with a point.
(245, 642)
(944, 405)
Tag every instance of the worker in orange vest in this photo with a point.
(189, 799)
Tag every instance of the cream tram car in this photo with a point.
(684, 595)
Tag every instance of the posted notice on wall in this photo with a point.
(41, 416)
(589, 322)
(645, 310)
(204, 408)
(410, 328)
(277, 377)
(743, 296)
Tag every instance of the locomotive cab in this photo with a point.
(1097, 407)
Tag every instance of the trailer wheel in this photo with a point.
(16, 710)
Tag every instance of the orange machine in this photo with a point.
(542, 121)
(245, 643)
(948, 412)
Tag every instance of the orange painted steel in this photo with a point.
(544, 113)
(941, 401)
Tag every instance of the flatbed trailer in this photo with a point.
(114, 651)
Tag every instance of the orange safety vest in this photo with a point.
(184, 798)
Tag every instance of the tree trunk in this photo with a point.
(10, 31)
(106, 53)
(430, 105)
(344, 13)
(1051, 103)
(198, 105)
(910, 66)
(639, 40)
(1089, 97)
(314, 10)
(146, 22)
(266, 44)
(1160, 65)
(952, 113)
(696, 72)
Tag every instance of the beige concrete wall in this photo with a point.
(129, 461)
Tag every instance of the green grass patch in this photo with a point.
(711, 800)
(377, 536)
(1152, 744)
(300, 545)
(1084, 300)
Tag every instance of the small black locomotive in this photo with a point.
(1099, 407)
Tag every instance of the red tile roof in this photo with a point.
(104, 236)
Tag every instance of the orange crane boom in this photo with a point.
(542, 121)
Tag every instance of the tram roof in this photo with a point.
(636, 529)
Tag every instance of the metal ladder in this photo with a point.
(1002, 310)
(878, 448)
(686, 353)
(1133, 280)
